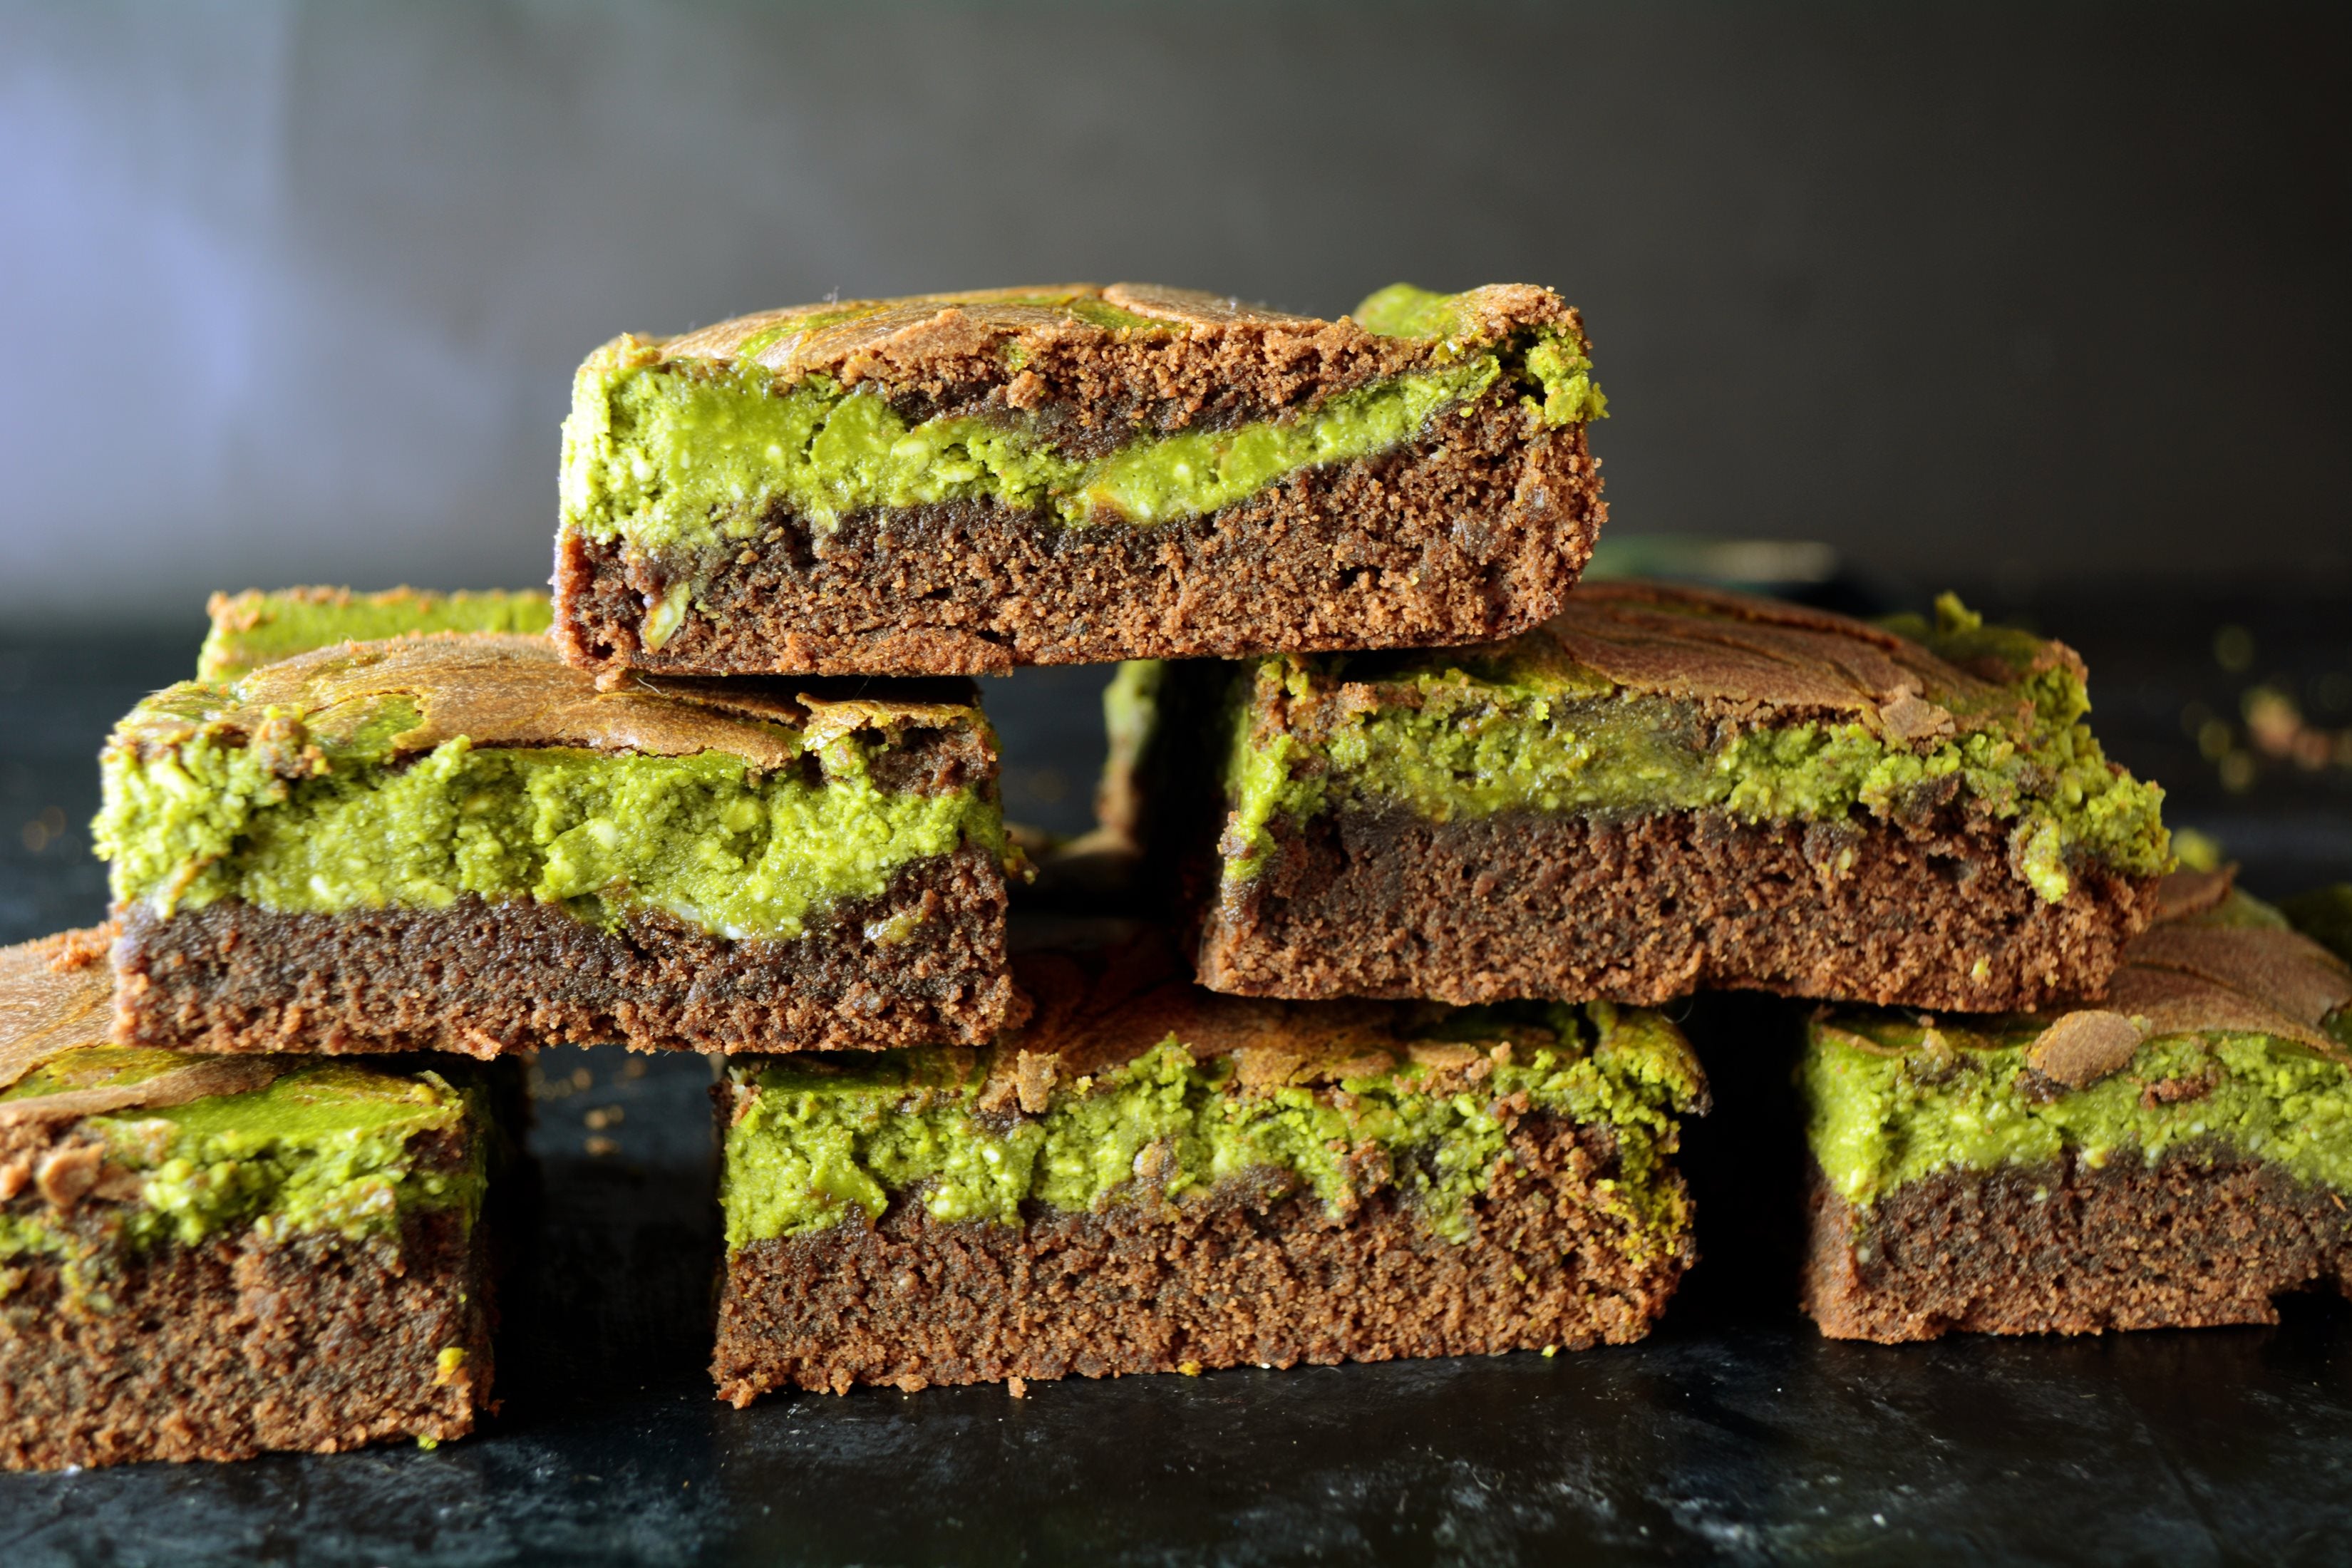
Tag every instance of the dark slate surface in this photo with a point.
(1735, 1432)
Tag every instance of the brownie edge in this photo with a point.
(2197, 1238)
(922, 962)
(1370, 902)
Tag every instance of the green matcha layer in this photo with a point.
(1172, 1094)
(2223, 1029)
(704, 475)
(467, 778)
(204, 1257)
(253, 628)
(1710, 739)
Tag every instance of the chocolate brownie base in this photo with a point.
(226, 1349)
(1245, 1275)
(1381, 902)
(484, 978)
(2202, 1237)
(1474, 534)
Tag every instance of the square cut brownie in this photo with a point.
(961, 483)
(2175, 1154)
(203, 1257)
(257, 627)
(1665, 789)
(458, 842)
(1153, 1178)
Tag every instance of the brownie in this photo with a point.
(961, 483)
(2174, 1154)
(257, 628)
(1153, 1178)
(203, 1257)
(1662, 790)
(458, 842)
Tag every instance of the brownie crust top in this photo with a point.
(2255, 980)
(1095, 1011)
(1745, 658)
(1016, 337)
(2217, 961)
(1737, 660)
(502, 689)
(1087, 369)
(57, 996)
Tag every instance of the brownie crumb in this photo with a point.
(1367, 901)
(2201, 1236)
(484, 978)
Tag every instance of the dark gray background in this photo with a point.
(292, 291)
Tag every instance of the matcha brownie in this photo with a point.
(458, 842)
(961, 483)
(1153, 1178)
(255, 627)
(2174, 1154)
(1665, 789)
(201, 1257)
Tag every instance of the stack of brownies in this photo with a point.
(1418, 830)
